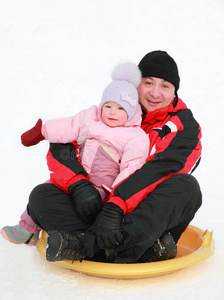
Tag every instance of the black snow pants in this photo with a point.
(171, 206)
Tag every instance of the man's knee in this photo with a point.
(189, 187)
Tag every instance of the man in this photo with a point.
(146, 213)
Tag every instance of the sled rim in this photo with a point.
(195, 245)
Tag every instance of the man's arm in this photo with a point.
(176, 152)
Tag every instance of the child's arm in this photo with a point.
(64, 130)
(134, 157)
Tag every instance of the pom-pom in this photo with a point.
(127, 71)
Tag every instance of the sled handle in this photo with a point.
(207, 235)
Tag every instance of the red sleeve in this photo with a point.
(64, 165)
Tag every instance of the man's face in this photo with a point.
(155, 93)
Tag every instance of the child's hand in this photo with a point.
(33, 136)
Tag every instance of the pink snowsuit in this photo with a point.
(109, 155)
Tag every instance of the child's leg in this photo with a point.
(27, 223)
(26, 232)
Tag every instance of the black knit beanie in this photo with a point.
(160, 64)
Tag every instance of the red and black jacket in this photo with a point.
(175, 147)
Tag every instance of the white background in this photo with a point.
(56, 57)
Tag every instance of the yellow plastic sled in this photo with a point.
(194, 246)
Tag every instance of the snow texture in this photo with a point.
(56, 57)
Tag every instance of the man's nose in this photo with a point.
(155, 91)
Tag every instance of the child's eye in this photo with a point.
(120, 108)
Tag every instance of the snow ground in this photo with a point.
(55, 59)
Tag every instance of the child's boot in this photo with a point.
(19, 235)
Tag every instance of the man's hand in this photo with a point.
(108, 226)
(86, 199)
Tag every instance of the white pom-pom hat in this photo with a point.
(123, 89)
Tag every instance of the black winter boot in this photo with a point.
(163, 249)
(62, 245)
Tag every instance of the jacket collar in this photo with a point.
(160, 114)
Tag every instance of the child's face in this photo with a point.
(113, 114)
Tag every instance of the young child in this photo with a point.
(111, 143)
